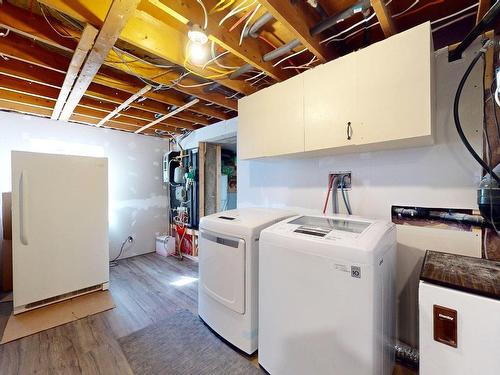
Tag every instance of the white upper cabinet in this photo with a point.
(378, 98)
(271, 121)
(329, 104)
(395, 90)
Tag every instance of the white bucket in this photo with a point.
(165, 245)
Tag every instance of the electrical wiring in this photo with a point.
(453, 21)
(406, 10)
(289, 57)
(254, 77)
(239, 8)
(267, 41)
(69, 36)
(232, 96)
(248, 22)
(326, 40)
(455, 14)
(335, 38)
(205, 24)
(258, 80)
(303, 66)
(220, 6)
(195, 85)
(215, 58)
(135, 59)
(240, 20)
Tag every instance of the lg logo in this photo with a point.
(356, 272)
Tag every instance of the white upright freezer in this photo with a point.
(59, 227)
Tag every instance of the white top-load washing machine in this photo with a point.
(228, 272)
(326, 296)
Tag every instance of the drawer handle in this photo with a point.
(349, 131)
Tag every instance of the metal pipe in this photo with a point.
(360, 6)
(254, 30)
(282, 50)
(242, 70)
(423, 213)
(486, 23)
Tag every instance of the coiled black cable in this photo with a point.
(456, 116)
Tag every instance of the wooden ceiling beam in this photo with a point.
(484, 5)
(53, 68)
(168, 115)
(298, 23)
(38, 26)
(125, 104)
(384, 17)
(33, 26)
(30, 105)
(50, 94)
(118, 16)
(148, 34)
(250, 51)
(82, 49)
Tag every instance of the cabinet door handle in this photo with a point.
(349, 131)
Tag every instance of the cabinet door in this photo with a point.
(271, 121)
(395, 96)
(329, 104)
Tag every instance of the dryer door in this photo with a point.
(222, 269)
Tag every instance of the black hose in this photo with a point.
(456, 116)
(114, 262)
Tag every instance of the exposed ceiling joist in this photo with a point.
(87, 104)
(15, 47)
(125, 104)
(289, 14)
(41, 31)
(250, 51)
(484, 5)
(82, 49)
(146, 32)
(384, 17)
(118, 15)
(163, 118)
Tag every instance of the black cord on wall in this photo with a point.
(456, 116)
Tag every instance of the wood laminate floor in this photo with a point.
(143, 292)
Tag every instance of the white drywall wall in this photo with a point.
(137, 197)
(217, 133)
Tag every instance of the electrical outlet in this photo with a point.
(339, 174)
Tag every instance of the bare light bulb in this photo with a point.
(197, 53)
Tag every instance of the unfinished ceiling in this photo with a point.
(126, 65)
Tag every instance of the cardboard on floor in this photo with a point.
(50, 316)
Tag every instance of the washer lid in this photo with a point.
(340, 236)
(243, 221)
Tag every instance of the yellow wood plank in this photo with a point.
(290, 15)
(384, 17)
(125, 104)
(116, 19)
(251, 50)
(84, 45)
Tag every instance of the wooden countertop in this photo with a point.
(468, 274)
